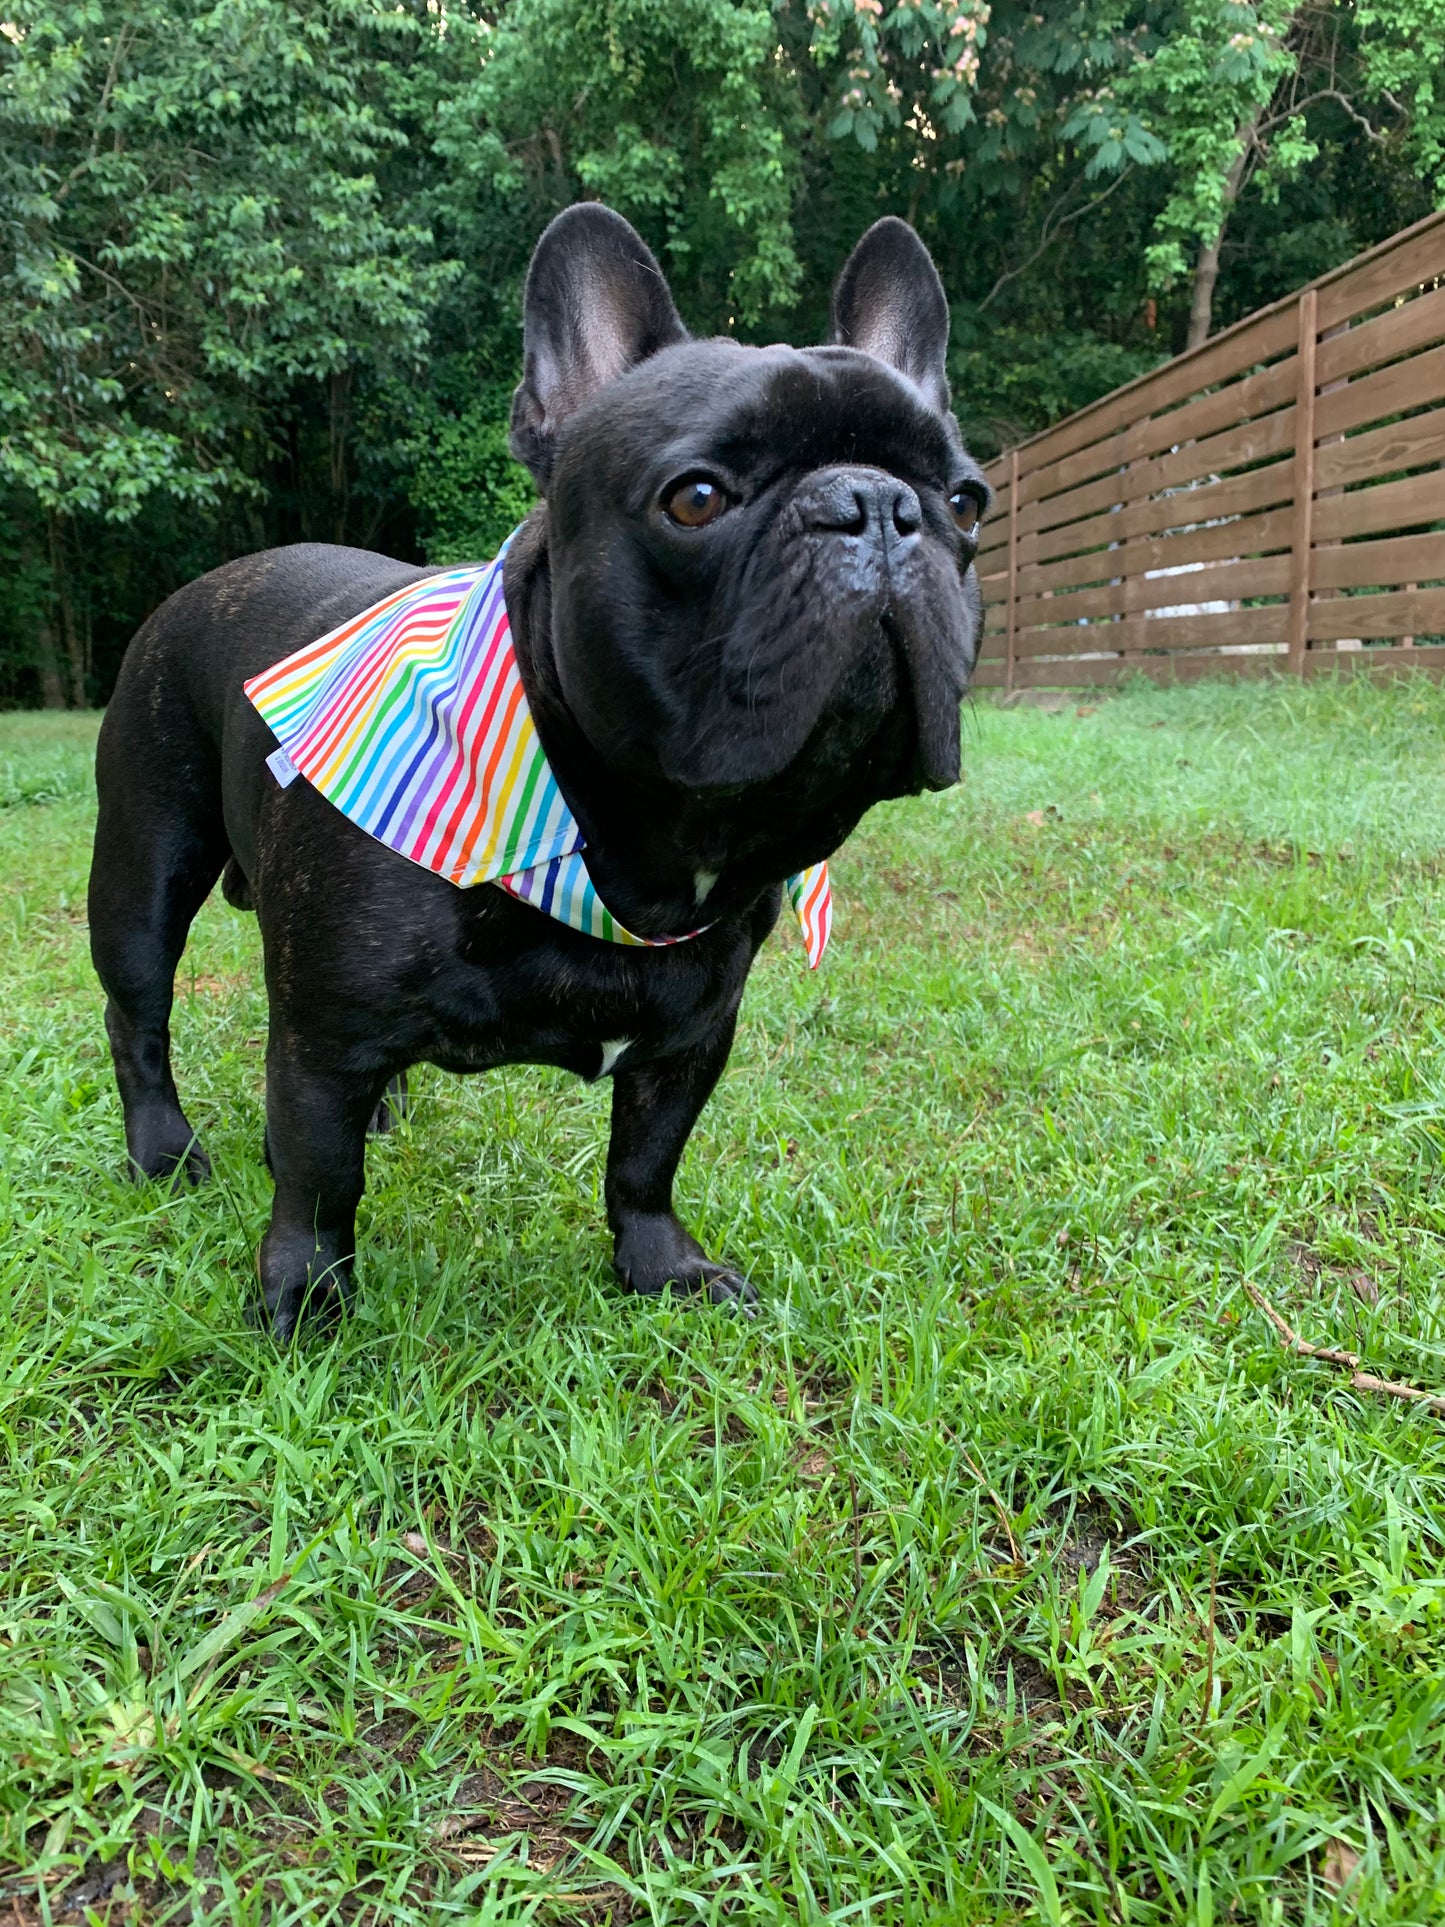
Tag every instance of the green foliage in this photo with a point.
(194, 224)
(468, 492)
(1004, 1569)
(1403, 55)
(912, 64)
(1219, 90)
(674, 111)
(1008, 382)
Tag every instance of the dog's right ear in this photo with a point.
(890, 303)
(597, 303)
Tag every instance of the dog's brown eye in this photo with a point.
(965, 511)
(695, 502)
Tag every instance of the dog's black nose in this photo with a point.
(853, 501)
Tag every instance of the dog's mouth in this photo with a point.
(891, 712)
(924, 699)
(891, 630)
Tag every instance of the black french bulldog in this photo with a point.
(743, 613)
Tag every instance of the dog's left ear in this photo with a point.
(890, 303)
(596, 304)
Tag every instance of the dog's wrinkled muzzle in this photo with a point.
(876, 558)
(846, 628)
(934, 684)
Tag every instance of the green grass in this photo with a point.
(1005, 1568)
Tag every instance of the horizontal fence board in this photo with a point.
(1102, 565)
(1379, 451)
(1246, 442)
(1164, 441)
(1108, 512)
(1398, 331)
(997, 514)
(1368, 662)
(1104, 671)
(1050, 525)
(1405, 384)
(1215, 542)
(1242, 628)
(1258, 338)
(1232, 578)
(1243, 346)
(1072, 506)
(1364, 565)
(995, 526)
(1388, 505)
(1211, 501)
(1139, 568)
(1416, 260)
(1396, 612)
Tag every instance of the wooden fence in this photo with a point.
(1272, 501)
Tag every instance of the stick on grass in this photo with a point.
(1349, 1361)
(998, 1506)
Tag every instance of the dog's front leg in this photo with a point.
(316, 1121)
(654, 1107)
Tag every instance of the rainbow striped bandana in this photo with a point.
(411, 718)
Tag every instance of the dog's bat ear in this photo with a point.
(596, 304)
(890, 303)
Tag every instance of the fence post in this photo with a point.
(1013, 565)
(1304, 482)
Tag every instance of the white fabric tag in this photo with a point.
(281, 767)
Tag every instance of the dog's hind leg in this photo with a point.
(159, 847)
(394, 1108)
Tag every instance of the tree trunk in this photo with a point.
(340, 421)
(49, 667)
(75, 652)
(47, 663)
(1206, 268)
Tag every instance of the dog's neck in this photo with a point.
(665, 860)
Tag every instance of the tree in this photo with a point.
(676, 112)
(1223, 90)
(192, 225)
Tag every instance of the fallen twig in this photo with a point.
(1349, 1361)
(857, 1542)
(1213, 1618)
(998, 1506)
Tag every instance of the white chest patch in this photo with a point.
(702, 882)
(611, 1051)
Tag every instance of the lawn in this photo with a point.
(1005, 1568)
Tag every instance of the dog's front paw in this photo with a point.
(163, 1146)
(654, 1254)
(302, 1283)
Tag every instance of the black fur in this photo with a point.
(720, 706)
